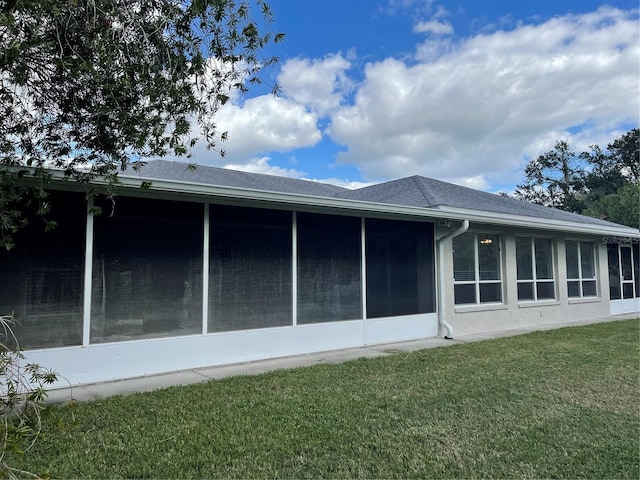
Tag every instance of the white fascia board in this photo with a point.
(452, 213)
(505, 219)
(207, 192)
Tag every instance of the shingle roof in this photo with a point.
(425, 192)
(178, 171)
(413, 191)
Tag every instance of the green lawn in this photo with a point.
(562, 403)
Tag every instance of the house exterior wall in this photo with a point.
(512, 313)
(152, 300)
(112, 340)
(136, 358)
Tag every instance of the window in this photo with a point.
(400, 268)
(581, 269)
(534, 259)
(42, 277)
(250, 282)
(329, 279)
(476, 269)
(147, 270)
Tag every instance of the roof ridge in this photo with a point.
(431, 200)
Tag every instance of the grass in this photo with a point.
(561, 403)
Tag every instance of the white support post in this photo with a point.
(294, 267)
(205, 271)
(88, 270)
(363, 267)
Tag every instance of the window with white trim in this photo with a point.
(534, 261)
(476, 269)
(581, 269)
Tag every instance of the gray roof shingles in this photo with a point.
(179, 171)
(413, 191)
(425, 192)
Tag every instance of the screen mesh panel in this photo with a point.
(41, 279)
(636, 267)
(615, 292)
(147, 270)
(400, 268)
(329, 277)
(250, 270)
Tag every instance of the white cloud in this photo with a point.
(261, 165)
(434, 27)
(341, 182)
(470, 111)
(261, 124)
(432, 50)
(395, 6)
(320, 85)
(492, 99)
(478, 182)
(312, 89)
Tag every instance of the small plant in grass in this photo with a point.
(22, 390)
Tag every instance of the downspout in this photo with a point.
(441, 300)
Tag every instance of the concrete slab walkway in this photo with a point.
(185, 377)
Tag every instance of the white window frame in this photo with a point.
(581, 278)
(535, 280)
(477, 282)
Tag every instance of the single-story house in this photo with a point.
(213, 266)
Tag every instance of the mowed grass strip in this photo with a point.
(561, 403)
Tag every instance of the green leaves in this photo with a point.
(88, 86)
(600, 183)
(22, 398)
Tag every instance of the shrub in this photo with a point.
(22, 390)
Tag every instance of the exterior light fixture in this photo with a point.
(486, 241)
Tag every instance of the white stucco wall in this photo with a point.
(513, 314)
(137, 358)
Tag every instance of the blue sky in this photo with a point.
(465, 91)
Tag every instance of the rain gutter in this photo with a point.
(441, 297)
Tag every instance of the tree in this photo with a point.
(613, 181)
(94, 87)
(621, 207)
(615, 167)
(625, 153)
(604, 176)
(600, 183)
(554, 179)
